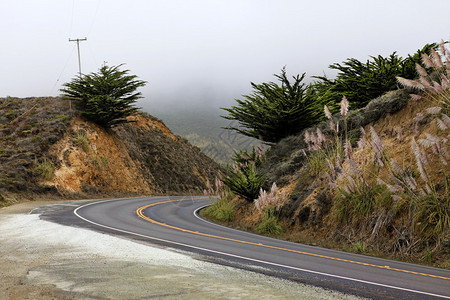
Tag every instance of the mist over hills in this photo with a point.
(202, 125)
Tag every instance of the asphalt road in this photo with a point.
(173, 222)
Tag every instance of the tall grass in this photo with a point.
(373, 185)
(269, 223)
(46, 169)
(221, 208)
(81, 140)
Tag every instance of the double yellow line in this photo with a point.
(140, 213)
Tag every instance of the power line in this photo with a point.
(64, 68)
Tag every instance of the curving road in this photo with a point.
(173, 221)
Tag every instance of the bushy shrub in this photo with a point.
(269, 223)
(243, 180)
(106, 97)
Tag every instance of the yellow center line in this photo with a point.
(140, 213)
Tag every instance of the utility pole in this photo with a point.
(78, 46)
(79, 61)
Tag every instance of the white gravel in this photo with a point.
(44, 260)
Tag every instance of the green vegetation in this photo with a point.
(359, 247)
(221, 207)
(46, 169)
(106, 97)
(361, 82)
(269, 223)
(105, 161)
(242, 179)
(386, 191)
(81, 140)
(275, 111)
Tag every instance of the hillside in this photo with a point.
(362, 203)
(46, 149)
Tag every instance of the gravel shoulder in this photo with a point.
(45, 260)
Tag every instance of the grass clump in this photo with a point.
(269, 223)
(81, 140)
(46, 169)
(221, 207)
(270, 203)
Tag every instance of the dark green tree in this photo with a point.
(105, 97)
(362, 82)
(275, 111)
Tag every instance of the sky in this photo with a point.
(203, 52)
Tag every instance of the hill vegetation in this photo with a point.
(374, 180)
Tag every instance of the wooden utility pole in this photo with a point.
(79, 57)
(79, 61)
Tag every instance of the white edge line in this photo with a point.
(248, 258)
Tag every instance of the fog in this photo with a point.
(194, 52)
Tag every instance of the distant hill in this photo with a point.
(203, 127)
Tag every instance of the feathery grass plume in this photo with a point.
(331, 168)
(209, 191)
(377, 146)
(419, 117)
(269, 200)
(435, 83)
(329, 117)
(217, 191)
(355, 167)
(445, 81)
(415, 97)
(362, 140)
(331, 182)
(446, 120)
(434, 110)
(327, 112)
(307, 139)
(221, 207)
(426, 84)
(434, 142)
(394, 189)
(397, 198)
(420, 160)
(410, 83)
(348, 150)
(421, 71)
(344, 106)
(436, 58)
(443, 50)
(426, 60)
(321, 138)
